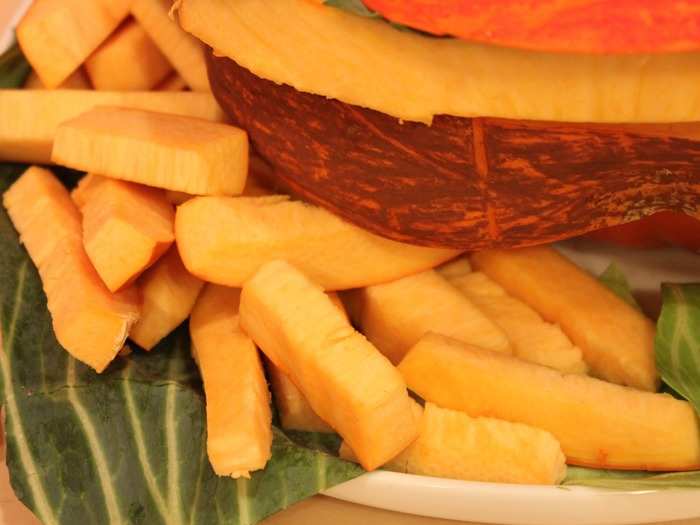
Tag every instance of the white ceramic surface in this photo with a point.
(534, 505)
(516, 504)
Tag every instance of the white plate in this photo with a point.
(522, 504)
(516, 504)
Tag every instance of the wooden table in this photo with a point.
(315, 511)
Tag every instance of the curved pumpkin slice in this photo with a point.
(412, 77)
(239, 421)
(90, 322)
(582, 26)
(226, 240)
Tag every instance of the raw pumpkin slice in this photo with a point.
(126, 228)
(347, 382)
(89, 322)
(617, 340)
(166, 151)
(395, 315)
(30, 118)
(127, 61)
(184, 52)
(77, 80)
(57, 36)
(239, 421)
(598, 424)
(169, 293)
(411, 77)
(226, 240)
(532, 338)
(453, 445)
(294, 410)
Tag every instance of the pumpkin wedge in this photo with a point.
(533, 339)
(169, 293)
(30, 118)
(347, 382)
(294, 410)
(395, 315)
(157, 149)
(89, 322)
(226, 240)
(453, 445)
(239, 421)
(184, 51)
(127, 61)
(126, 228)
(617, 340)
(598, 424)
(57, 36)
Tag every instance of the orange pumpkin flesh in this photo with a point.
(582, 26)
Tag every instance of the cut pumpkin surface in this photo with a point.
(169, 293)
(566, 26)
(412, 77)
(57, 36)
(533, 339)
(598, 424)
(347, 381)
(617, 340)
(86, 185)
(253, 187)
(127, 61)
(226, 240)
(30, 117)
(294, 410)
(157, 149)
(184, 51)
(89, 322)
(395, 315)
(453, 445)
(126, 228)
(239, 421)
